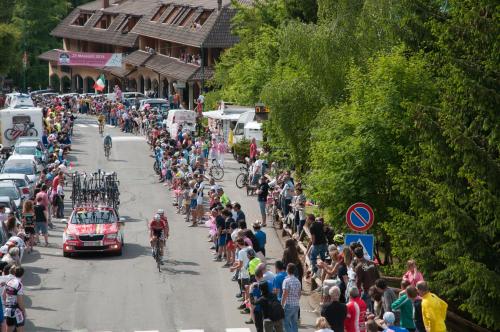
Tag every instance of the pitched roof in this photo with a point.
(137, 58)
(112, 36)
(52, 55)
(203, 74)
(216, 30)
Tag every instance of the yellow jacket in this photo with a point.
(434, 313)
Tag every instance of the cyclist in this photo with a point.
(158, 230)
(108, 141)
(101, 120)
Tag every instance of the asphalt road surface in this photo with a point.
(127, 293)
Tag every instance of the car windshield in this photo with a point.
(9, 191)
(93, 217)
(26, 150)
(18, 182)
(19, 168)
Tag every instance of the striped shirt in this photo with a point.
(292, 285)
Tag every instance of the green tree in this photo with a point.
(304, 10)
(9, 39)
(36, 19)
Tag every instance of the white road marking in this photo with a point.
(127, 138)
(244, 329)
(110, 126)
(94, 125)
(81, 125)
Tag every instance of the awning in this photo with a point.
(219, 115)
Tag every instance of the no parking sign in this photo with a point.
(360, 217)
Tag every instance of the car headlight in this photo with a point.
(71, 237)
(112, 236)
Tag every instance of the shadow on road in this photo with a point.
(177, 262)
(29, 326)
(171, 270)
(32, 275)
(130, 251)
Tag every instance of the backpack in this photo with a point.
(275, 311)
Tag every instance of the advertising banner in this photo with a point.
(90, 59)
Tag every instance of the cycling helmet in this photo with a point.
(157, 217)
(338, 238)
(160, 211)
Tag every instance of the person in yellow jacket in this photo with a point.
(433, 309)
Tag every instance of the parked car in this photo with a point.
(29, 148)
(9, 188)
(22, 182)
(27, 166)
(160, 104)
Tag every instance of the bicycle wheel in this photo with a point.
(9, 134)
(217, 172)
(32, 132)
(241, 180)
(158, 255)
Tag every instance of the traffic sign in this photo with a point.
(360, 217)
(366, 240)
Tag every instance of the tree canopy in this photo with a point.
(395, 103)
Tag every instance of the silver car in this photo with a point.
(8, 188)
(22, 182)
(23, 166)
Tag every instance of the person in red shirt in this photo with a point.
(356, 313)
(158, 230)
(253, 150)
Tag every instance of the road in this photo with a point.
(126, 293)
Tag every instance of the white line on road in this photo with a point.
(110, 126)
(94, 125)
(81, 125)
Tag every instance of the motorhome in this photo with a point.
(223, 121)
(19, 122)
(249, 126)
(186, 118)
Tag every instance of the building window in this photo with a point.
(105, 21)
(171, 16)
(187, 17)
(159, 13)
(82, 19)
(127, 24)
(203, 17)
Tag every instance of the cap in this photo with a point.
(389, 317)
(256, 224)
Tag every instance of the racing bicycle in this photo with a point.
(107, 150)
(101, 128)
(157, 254)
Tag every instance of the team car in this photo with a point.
(93, 229)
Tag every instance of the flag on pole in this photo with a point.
(100, 84)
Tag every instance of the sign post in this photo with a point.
(360, 217)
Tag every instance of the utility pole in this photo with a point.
(25, 55)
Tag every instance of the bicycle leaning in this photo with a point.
(216, 171)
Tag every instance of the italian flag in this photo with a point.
(100, 84)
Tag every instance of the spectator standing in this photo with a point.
(336, 312)
(287, 193)
(366, 275)
(261, 237)
(388, 297)
(278, 279)
(318, 243)
(253, 150)
(417, 310)
(356, 313)
(291, 255)
(262, 193)
(405, 306)
(41, 220)
(412, 275)
(15, 311)
(291, 299)
(272, 310)
(433, 309)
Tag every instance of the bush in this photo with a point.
(241, 150)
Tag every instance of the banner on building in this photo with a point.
(90, 59)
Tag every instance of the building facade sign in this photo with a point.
(90, 59)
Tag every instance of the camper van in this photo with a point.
(185, 118)
(18, 100)
(247, 127)
(18, 122)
